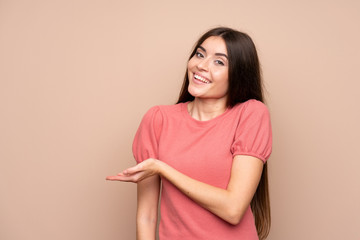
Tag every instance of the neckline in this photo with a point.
(187, 116)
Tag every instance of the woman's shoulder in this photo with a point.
(167, 109)
(252, 105)
(161, 111)
(251, 108)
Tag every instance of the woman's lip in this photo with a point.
(202, 80)
(196, 81)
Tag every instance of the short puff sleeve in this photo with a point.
(253, 134)
(146, 141)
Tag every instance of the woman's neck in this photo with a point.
(206, 109)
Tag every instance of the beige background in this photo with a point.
(76, 76)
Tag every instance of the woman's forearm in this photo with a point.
(216, 200)
(229, 204)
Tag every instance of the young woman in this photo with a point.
(208, 151)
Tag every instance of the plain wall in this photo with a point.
(76, 76)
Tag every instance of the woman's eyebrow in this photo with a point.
(221, 54)
(217, 54)
(202, 48)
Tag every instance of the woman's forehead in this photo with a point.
(214, 44)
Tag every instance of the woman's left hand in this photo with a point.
(145, 169)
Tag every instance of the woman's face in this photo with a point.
(208, 70)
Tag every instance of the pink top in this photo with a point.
(202, 150)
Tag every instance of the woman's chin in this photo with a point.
(195, 92)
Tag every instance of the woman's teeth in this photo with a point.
(201, 79)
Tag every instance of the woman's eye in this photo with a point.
(219, 62)
(198, 54)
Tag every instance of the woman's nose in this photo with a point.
(203, 64)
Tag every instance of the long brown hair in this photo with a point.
(245, 83)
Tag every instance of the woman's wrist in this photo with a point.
(160, 165)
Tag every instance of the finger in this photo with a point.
(133, 170)
(121, 178)
(117, 177)
(111, 177)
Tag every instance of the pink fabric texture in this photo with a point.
(203, 150)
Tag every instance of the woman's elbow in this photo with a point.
(234, 216)
(234, 220)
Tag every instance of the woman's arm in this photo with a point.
(147, 208)
(229, 204)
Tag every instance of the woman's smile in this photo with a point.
(200, 79)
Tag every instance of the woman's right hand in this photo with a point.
(139, 172)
